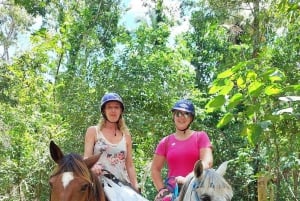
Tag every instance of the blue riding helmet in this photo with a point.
(111, 97)
(184, 105)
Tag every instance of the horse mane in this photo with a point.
(74, 163)
(208, 184)
(185, 187)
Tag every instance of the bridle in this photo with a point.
(197, 184)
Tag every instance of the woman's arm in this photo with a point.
(129, 164)
(206, 157)
(89, 142)
(156, 167)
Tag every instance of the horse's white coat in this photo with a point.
(67, 177)
(209, 184)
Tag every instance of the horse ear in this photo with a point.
(55, 152)
(222, 169)
(198, 168)
(91, 160)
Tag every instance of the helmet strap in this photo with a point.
(184, 130)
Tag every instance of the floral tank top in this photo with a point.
(112, 155)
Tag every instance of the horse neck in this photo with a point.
(97, 191)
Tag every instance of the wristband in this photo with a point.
(163, 195)
(162, 189)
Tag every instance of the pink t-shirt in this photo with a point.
(181, 155)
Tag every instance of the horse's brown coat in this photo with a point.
(81, 185)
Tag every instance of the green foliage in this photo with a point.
(244, 84)
(251, 102)
(34, 7)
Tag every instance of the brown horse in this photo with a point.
(72, 179)
(206, 185)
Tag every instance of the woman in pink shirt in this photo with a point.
(180, 150)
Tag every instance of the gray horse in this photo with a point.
(206, 185)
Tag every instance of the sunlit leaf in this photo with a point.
(255, 88)
(225, 74)
(276, 76)
(214, 89)
(238, 67)
(240, 83)
(271, 90)
(216, 102)
(234, 100)
(225, 120)
(217, 85)
(227, 88)
(251, 75)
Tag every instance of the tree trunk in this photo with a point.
(262, 188)
(256, 27)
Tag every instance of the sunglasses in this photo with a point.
(182, 114)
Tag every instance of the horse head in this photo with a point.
(206, 185)
(72, 179)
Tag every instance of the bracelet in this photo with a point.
(162, 189)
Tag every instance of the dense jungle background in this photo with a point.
(238, 61)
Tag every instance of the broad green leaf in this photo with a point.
(251, 109)
(225, 120)
(214, 89)
(234, 100)
(253, 133)
(255, 88)
(216, 102)
(271, 90)
(225, 74)
(293, 88)
(240, 83)
(217, 85)
(251, 75)
(237, 67)
(226, 88)
(273, 75)
(275, 78)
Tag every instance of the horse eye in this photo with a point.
(205, 197)
(50, 184)
(84, 187)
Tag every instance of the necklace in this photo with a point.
(111, 130)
